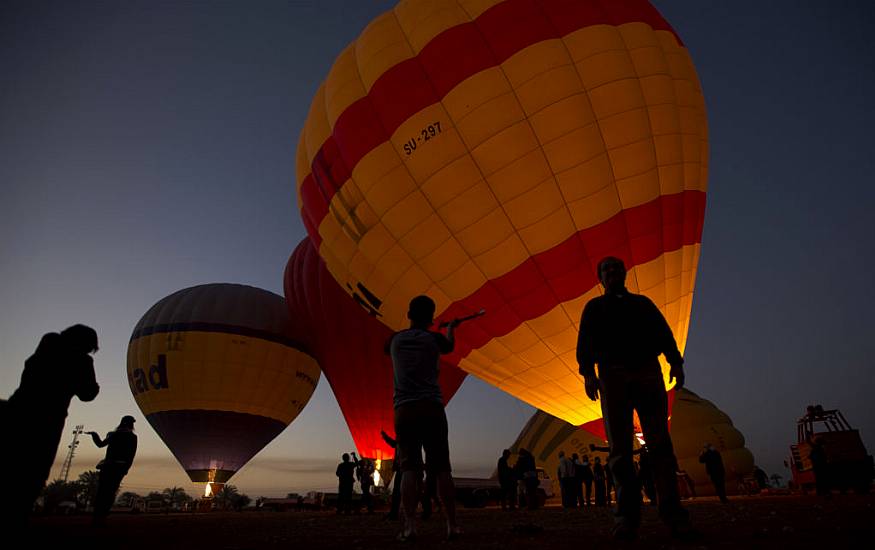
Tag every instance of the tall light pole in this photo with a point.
(65, 469)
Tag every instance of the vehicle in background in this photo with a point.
(848, 464)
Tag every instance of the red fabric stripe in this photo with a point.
(454, 55)
(567, 270)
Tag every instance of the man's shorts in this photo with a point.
(422, 425)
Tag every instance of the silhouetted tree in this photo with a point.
(176, 496)
(88, 482)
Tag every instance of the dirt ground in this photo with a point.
(746, 522)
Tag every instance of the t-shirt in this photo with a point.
(415, 358)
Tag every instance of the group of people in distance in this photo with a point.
(34, 416)
(621, 338)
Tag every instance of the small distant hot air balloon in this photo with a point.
(489, 153)
(694, 422)
(349, 344)
(218, 372)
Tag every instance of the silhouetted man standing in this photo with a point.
(507, 480)
(345, 479)
(121, 447)
(420, 420)
(34, 417)
(624, 334)
(713, 462)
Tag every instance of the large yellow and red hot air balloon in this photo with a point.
(218, 371)
(489, 153)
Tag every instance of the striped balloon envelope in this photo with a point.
(489, 153)
(349, 345)
(218, 373)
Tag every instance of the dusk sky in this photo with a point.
(148, 146)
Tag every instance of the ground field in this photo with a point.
(773, 522)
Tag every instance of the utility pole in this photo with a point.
(65, 469)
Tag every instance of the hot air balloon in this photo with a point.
(349, 345)
(694, 422)
(489, 153)
(218, 373)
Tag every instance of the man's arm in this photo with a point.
(388, 439)
(97, 441)
(668, 345)
(585, 353)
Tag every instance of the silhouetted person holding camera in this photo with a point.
(713, 462)
(34, 417)
(121, 447)
(364, 471)
(624, 334)
(420, 419)
(527, 472)
(345, 479)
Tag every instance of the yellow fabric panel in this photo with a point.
(589, 41)
(548, 232)
(422, 21)
(502, 258)
(549, 87)
(669, 149)
(574, 147)
(374, 166)
(407, 214)
(535, 204)
(381, 46)
(625, 128)
(448, 258)
(658, 89)
(535, 60)
(222, 372)
(316, 128)
(638, 190)
(475, 8)
(594, 209)
(432, 155)
(471, 205)
(520, 176)
(475, 91)
(343, 86)
(616, 97)
(462, 282)
(342, 246)
(485, 233)
(490, 118)
(586, 178)
(451, 181)
(664, 119)
(562, 117)
(649, 61)
(425, 237)
(605, 67)
(393, 187)
(504, 148)
(633, 159)
(638, 35)
(376, 242)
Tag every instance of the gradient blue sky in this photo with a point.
(149, 146)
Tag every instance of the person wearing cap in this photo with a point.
(121, 446)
